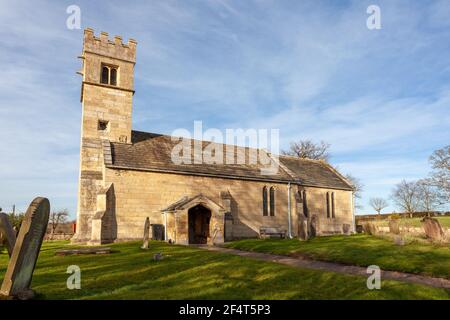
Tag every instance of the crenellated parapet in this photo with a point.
(115, 48)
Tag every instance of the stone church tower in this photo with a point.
(106, 96)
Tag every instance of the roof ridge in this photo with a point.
(221, 143)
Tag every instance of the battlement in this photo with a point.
(104, 46)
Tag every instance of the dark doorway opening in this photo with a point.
(198, 221)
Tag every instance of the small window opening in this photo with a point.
(103, 125)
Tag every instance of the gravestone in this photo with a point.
(399, 241)
(370, 228)
(146, 233)
(433, 229)
(8, 233)
(346, 228)
(302, 227)
(18, 276)
(359, 228)
(394, 227)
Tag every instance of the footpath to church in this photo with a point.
(301, 262)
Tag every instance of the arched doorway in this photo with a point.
(198, 221)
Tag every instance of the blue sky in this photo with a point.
(312, 69)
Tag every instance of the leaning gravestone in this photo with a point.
(394, 227)
(8, 233)
(146, 233)
(433, 229)
(18, 276)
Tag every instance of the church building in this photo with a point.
(127, 176)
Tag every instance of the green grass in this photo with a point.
(192, 273)
(361, 250)
(414, 222)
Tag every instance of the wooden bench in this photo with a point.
(269, 232)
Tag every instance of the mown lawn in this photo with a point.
(192, 273)
(414, 222)
(361, 250)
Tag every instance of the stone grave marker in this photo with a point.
(394, 227)
(146, 233)
(346, 229)
(433, 229)
(19, 273)
(9, 235)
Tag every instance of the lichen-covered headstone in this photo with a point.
(8, 233)
(394, 227)
(18, 276)
(146, 233)
(433, 229)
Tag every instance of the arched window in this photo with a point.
(272, 201)
(305, 204)
(105, 75)
(108, 75)
(113, 77)
(264, 196)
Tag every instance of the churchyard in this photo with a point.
(33, 269)
(183, 272)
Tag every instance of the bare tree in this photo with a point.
(440, 176)
(358, 188)
(428, 195)
(57, 218)
(378, 204)
(309, 150)
(406, 196)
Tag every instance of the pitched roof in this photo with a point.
(314, 172)
(152, 152)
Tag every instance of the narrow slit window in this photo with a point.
(328, 205)
(272, 201)
(333, 214)
(264, 196)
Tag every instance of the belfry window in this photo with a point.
(108, 75)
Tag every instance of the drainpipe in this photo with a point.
(352, 200)
(165, 226)
(289, 211)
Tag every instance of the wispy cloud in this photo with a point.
(310, 68)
